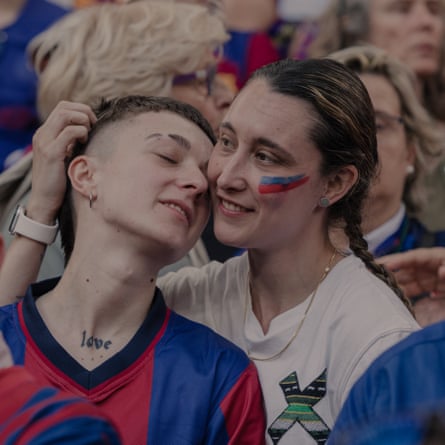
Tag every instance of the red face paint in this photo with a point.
(277, 184)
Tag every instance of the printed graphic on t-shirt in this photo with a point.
(300, 409)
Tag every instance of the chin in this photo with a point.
(227, 238)
(424, 69)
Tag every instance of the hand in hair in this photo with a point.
(66, 124)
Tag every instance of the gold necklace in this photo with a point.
(300, 324)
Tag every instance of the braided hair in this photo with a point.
(344, 132)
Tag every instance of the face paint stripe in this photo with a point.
(277, 184)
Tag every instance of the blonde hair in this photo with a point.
(108, 50)
(420, 128)
(346, 23)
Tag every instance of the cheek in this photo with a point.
(280, 184)
(214, 168)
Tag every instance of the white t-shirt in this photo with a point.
(353, 318)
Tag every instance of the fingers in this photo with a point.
(406, 259)
(419, 271)
(439, 292)
(67, 123)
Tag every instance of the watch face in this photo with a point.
(14, 219)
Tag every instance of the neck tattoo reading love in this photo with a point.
(276, 184)
(94, 342)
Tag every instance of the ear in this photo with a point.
(81, 173)
(340, 182)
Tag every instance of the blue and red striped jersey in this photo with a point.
(176, 381)
(34, 414)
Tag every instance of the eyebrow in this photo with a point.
(180, 140)
(259, 140)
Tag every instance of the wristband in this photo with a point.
(24, 226)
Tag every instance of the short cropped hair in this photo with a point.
(110, 112)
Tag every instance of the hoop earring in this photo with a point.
(324, 202)
(91, 200)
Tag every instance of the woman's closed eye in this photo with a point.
(169, 159)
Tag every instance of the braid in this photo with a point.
(360, 248)
(344, 132)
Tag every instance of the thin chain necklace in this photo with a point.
(300, 324)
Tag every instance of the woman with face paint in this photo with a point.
(292, 165)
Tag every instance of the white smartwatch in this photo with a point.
(24, 226)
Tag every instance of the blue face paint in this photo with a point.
(277, 184)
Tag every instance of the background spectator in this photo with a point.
(20, 21)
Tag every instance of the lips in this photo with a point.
(232, 208)
(181, 208)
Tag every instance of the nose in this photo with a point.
(229, 172)
(423, 16)
(194, 180)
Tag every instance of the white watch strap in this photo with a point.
(34, 230)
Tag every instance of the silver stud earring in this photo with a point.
(410, 169)
(324, 202)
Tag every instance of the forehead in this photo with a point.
(382, 93)
(258, 111)
(136, 129)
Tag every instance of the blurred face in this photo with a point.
(264, 171)
(206, 92)
(153, 187)
(395, 153)
(411, 30)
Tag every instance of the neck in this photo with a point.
(375, 215)
(281, 281)
(95, 315)
(100, 288)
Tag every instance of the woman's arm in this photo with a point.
(67, 123)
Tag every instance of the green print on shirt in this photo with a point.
(300, 409)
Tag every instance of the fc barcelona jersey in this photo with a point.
(176, 382)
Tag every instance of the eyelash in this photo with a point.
(265, 157)
(168, 159)
(225, 142)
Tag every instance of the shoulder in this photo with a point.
(205, 344)
(366, 311)
(206, 359)
(424, 349)
(212, 275)
(357, 287)
(46, 415)
(407, 376)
